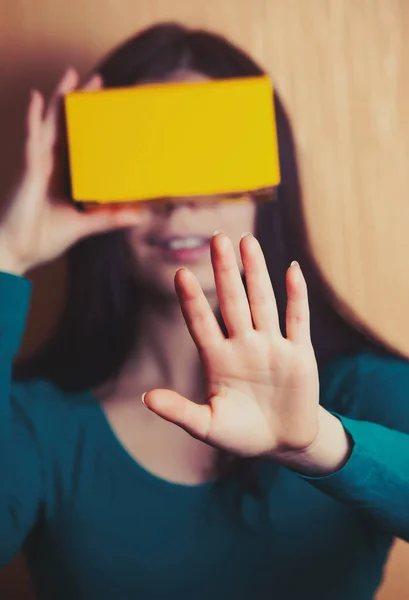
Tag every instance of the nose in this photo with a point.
(170, 205)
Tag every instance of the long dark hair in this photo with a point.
(99, 324)
(98, 327)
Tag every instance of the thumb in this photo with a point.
(171, 406)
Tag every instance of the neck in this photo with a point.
(165, 355)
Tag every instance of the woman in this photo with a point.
(113, 497)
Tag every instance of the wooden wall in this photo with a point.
(341, 68)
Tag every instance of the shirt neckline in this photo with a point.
(134, 465)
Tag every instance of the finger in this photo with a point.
(67, 83)
(199, 317)
(51, 122)
(108, 219)
(33, 124)
(260, 292)
(171, 406)
(298, 313)
(80, 225)
(95, 82)
(232, 297)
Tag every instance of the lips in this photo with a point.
(181, 249)
(180, 242)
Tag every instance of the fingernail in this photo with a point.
(245, 234)
(295, 264)
(217, 232)
(143, 397)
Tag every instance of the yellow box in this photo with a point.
(172, 140)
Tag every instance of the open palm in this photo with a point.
(262, 388)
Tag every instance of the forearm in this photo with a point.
(372, 472)
(19, 460)
(9, 262)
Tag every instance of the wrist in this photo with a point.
(9, 263)
(327, 454)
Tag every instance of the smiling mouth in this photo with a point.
(177, 243)
(182, 249)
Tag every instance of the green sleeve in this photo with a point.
(20, 465)
(370, 395)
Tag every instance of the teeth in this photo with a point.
(179, 244)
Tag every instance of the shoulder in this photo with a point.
(44, 408)
(369, 385)
(368, 369)
(54, 434)
(355, 366)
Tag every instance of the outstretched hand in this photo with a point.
(262, 388)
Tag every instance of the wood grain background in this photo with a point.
(341, 67)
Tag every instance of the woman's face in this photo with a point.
(177, 232)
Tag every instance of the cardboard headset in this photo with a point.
(165, 140)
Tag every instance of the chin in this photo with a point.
(205, 276)
(164, 281)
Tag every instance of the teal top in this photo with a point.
(94, 524)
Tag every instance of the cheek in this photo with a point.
(135, 239)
